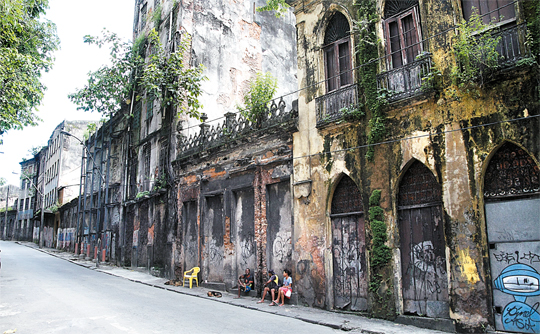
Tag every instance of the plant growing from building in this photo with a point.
(261, 90)
(165, 75)
(27, 44)
(141, 194)
(372, 99)
(380, 258)
(279, 7)
(475, 49)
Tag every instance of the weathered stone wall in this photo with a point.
(453, 132)
(234, 210)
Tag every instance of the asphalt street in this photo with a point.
(40, 293)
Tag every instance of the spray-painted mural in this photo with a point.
(423, 261)
(512, 205)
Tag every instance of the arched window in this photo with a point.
(337, 53)
(402, 32)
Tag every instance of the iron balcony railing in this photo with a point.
(330, 107)
(406, 81)
(234, 129)
(512, 46)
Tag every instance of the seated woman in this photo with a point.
(286, 289)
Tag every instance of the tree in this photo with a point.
(2, 181)
(27, 43)
(162, 74)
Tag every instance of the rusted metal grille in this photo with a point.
(347, 197)
(394, 7)
(419, 186)
(512, 171)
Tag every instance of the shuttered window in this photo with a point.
(491, 11)
(403, 36)
(337, 53)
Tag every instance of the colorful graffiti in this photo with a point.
(521, 281)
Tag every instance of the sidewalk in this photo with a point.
(346, 322)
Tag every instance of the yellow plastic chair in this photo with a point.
(191, 275)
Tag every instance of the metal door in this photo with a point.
(422, 245)
(348, 247)
(512, 206)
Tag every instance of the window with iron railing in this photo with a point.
(340, 91)
(406, 61)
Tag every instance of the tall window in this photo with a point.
(337, 53)
(402, 32)
(491, 10)
(146, 167)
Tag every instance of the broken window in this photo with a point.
(337, 53)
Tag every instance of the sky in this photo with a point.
(74, 19)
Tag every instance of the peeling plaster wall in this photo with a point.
(234, 42)
(234, 210)
(432, 129)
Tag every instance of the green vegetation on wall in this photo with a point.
(261, 90)
(368, 53)
(380, 284)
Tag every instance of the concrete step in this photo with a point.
(214, 286)
(441, 324)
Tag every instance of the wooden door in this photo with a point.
(348, 247)
(422, 244)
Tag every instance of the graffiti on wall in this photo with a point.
(520, 281)
(526, 257)
(428, 270)
(65, 238)
(282, 248)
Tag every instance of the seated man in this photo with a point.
(272, 286)
(245, 282)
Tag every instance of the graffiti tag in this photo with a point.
(523, 317)
(529, 257)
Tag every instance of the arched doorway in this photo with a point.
(348, 247)
(512, 206)
(422, 244)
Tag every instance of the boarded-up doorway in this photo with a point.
(279, 229)
(348, 247)
(512, 205)
(213, 231)
(244, 223)
(191, 235)
(422, 244)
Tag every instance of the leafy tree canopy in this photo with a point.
(163, 74)
(2, 181)
(27, 43)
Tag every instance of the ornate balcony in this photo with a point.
(406, 81)
(329, 107)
